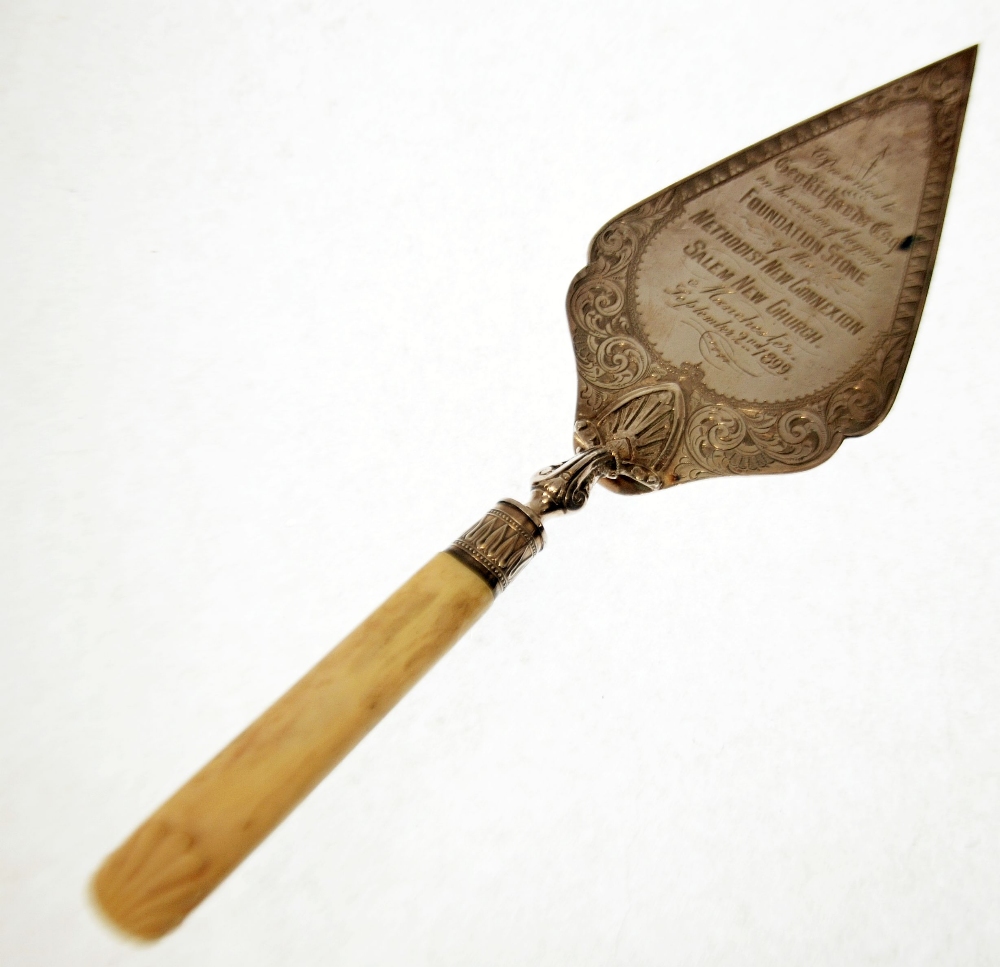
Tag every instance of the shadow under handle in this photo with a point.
(199, 835)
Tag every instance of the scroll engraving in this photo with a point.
(721, 439)
(609, 356)
(779, 290)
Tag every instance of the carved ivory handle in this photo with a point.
(199, 835)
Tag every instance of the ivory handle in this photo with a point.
(199, 835)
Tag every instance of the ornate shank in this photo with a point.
(498, 546)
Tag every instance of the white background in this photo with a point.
(281, 312)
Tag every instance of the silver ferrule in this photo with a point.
(511, 534)
(500, 544)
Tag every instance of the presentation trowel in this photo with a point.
(745, 320)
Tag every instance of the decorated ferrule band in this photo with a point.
(500, 544)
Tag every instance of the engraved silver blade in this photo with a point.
(749, 318)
